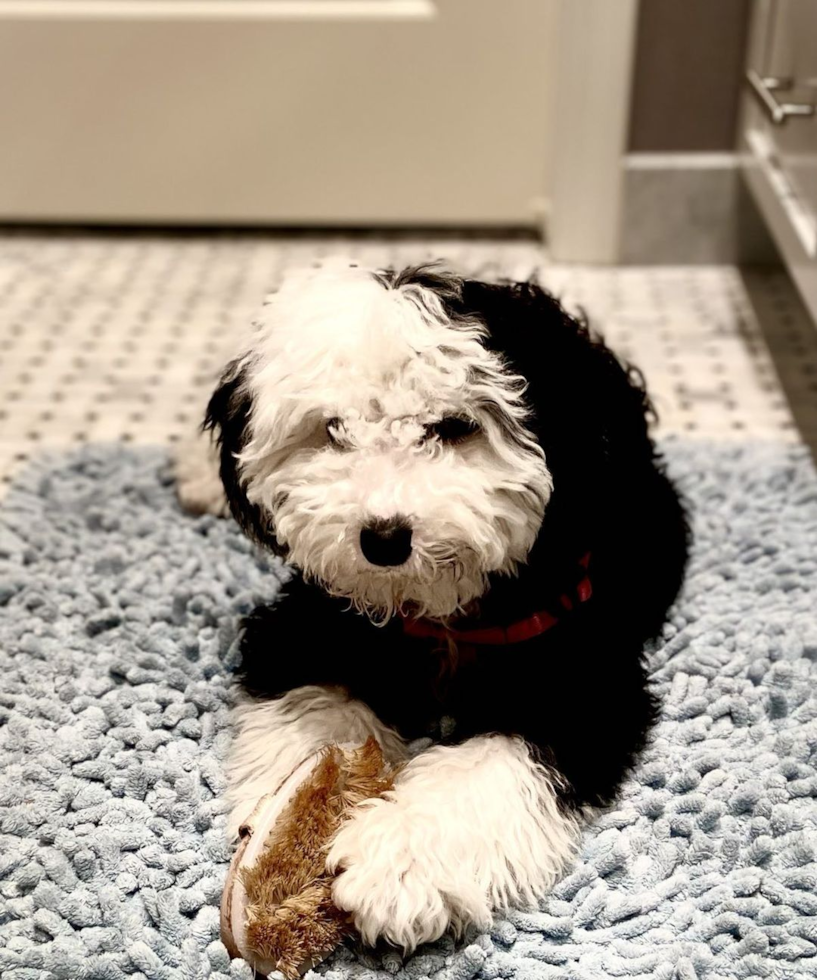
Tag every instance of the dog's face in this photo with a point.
(379, 444)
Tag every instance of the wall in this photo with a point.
(684, 201)
(688, 69)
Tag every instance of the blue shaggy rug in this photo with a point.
(117, 638)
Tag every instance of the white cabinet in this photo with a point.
(778, 131)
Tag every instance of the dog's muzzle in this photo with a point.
(386, 542)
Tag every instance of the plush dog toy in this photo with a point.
(277, 911)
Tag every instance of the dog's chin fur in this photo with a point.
(433, 591)
(458, 540)
(342, 378)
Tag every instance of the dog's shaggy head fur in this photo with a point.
(409, 440)
(368, 423)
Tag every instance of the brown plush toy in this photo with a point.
(277, 911)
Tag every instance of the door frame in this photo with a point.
(592, 119)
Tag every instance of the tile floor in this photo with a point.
(116, 335)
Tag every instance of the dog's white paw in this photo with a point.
(203, 496)
(198, 483)
(400, 881)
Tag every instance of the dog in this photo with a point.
(484, 540)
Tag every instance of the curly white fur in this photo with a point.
(335, 344)
(467, 829)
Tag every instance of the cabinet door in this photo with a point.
(293, 112)
(780, 157)
(793, 55)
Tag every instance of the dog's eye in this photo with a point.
(334, 430)
(452, 429)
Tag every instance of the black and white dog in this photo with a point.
(484, 540)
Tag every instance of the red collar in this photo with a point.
(525, 629)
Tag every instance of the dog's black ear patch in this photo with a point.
(227, 417)
(589, 412)
(586, 405)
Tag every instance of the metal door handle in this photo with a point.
(778, 112)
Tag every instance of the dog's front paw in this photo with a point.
(398, 882)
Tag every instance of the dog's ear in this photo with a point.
(228, 419)
(589, 411)
(590, 415)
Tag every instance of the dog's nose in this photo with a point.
(386, 542)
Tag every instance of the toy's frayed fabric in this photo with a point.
(117, 628)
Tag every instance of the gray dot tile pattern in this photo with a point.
(116, 335)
